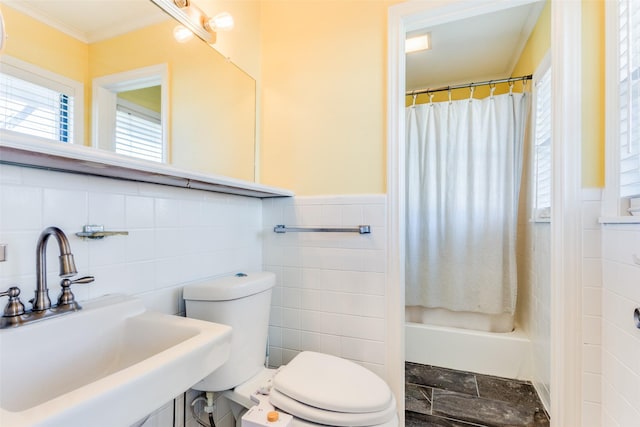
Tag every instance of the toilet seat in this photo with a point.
(333, 391)
(332, 383)
(322, 380)
(331, 418)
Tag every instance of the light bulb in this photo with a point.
(221, 22)
(182, 34)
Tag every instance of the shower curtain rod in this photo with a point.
(468, 85)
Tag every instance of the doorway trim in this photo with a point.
(566, 218)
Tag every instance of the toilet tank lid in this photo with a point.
(229, 287)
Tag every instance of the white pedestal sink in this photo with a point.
(109, 364)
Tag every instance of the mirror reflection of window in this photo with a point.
(136, 101)
(138, 131)
(36, 102)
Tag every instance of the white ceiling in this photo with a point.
(480, 48)
(92, 20)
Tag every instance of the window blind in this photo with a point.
(138, 134)
(32, 109)
(629, 84)
(542, 147)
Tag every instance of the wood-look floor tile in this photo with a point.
(494, 413)
(414, 419)
(417, 398)
(518, 393)
(446, 379)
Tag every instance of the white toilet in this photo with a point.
(316, 389)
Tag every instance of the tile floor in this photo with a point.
(439, 397)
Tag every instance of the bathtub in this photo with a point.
(504, 354)
(503, 322)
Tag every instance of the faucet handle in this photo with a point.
(66, 298)
(14, 306)
(80, 280)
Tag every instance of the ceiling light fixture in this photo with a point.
(417, 43)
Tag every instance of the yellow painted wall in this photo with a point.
(324, 106)
(538, 44)
(324, 64)
(324, 103)
(148, 97)
(324, 116)
(593, 97)
(41, 45)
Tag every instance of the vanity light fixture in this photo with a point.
(417, 43)
(195, 20)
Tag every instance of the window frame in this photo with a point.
(613, 206)
(48, 79)
(537, 213)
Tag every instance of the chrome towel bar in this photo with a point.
(362, 229)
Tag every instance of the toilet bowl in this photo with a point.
(320, 390)
(316, 389)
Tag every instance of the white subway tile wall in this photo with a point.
(540, 310)
(620, 337)
(533, 309)
(535, 304)
(330, 292)
(175, 236)
(591, 307)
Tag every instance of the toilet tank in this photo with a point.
(243, 302)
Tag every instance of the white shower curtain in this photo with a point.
(463, 170)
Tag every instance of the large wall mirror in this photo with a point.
(134, 76)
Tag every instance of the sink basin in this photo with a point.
(109, 364)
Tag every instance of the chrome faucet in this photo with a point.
(41, 301)
(14, 313)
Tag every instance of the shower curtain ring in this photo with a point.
(449, 90)
(415, 96)
(510, 87)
